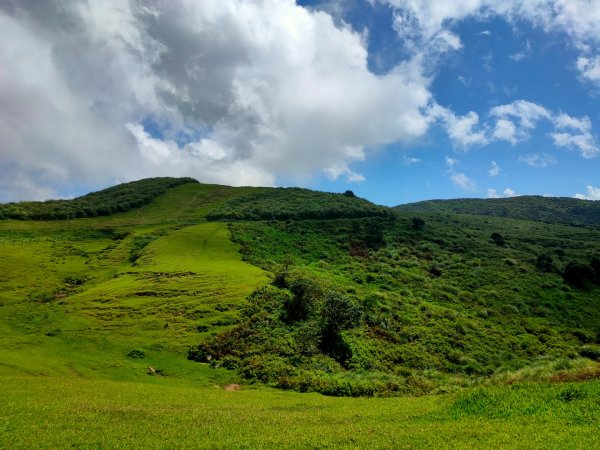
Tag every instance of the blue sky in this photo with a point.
(396, 100)
(501, 61)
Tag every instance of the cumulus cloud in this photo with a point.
(578, 19)
(491, 193)
(593, 193)
(526, 113)
(583, 142)
(240, 92)
(508, 192)
(589, 68)
(513, 122)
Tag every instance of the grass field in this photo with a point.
(74, 412)
(97, 315)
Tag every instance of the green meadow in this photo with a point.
(457, 342)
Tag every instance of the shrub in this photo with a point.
(498, 239)
(545, 263)
(417, 223)
(578, 274)
(136, 353)
(591, 352)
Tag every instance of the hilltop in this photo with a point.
(569, 211)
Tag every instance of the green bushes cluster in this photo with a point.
(296, 203)
(288, 332)
(420, 307)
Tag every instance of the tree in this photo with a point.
(595, 265)
(417, 223)
(349, 193)
(578, 274)
(545, 263)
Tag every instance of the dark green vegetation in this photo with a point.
(564, 210)
(387, 305)
(295, 203)
(98, 316)
(109, 201)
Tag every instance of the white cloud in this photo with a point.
(513, 122)
(409, 161)
(578, 19)
(458, 178)
(527, 113)
(462, 129)
(593, 193)
(463, 181)
(494, 170)
(260, 90)
(339, 169)
(582, 124)
(589, 68)
(508, 192)
(491, 193)
(538, 160)
(505, 130)
(451, 162)
(584, 143)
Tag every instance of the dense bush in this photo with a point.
(545, 263)
(578, 274)
(417, 223)
(498, 239)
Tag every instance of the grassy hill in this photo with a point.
(570, 211)
(99, 315)
(109, 201)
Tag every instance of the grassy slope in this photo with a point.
(73, 412)
(75, 282)
(72, 305)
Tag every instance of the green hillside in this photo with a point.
(158, 327)
(295, 203)
(570, 211)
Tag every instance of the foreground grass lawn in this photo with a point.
(72, 412)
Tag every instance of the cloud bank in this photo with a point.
(237, 92)
(243, 92)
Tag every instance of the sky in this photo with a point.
(396, 100)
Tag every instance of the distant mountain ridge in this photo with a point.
(565, 210)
